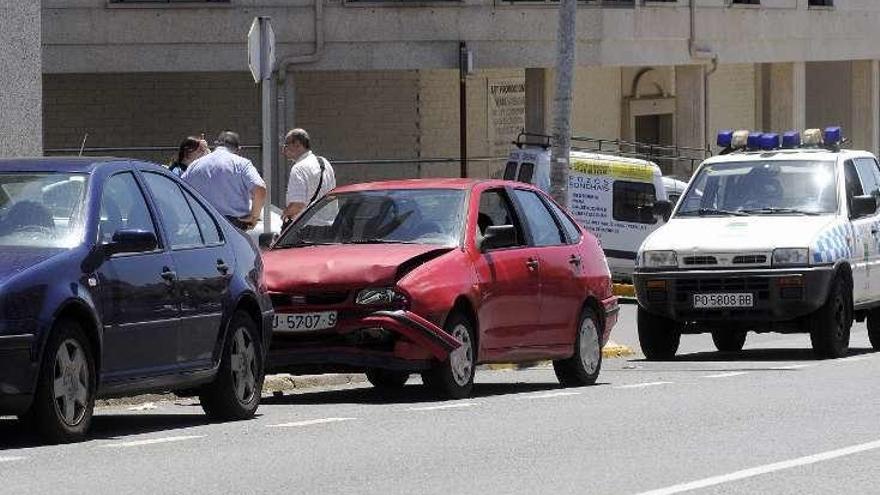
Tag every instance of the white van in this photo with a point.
(767, 239)
(619, 200)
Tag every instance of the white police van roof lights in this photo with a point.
(744, 140)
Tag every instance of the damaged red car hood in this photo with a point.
(340, 266)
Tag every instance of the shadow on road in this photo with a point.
(756, 355)
(16, 435)
(410, 394)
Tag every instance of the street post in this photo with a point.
(261, 60)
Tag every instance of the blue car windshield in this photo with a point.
(394, 216)
(41, 209)
(762, 187)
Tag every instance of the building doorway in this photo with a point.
(655, 129)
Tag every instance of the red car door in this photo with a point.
(508, 279)
(562, 292)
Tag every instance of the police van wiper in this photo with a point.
(712, 211)
(770, 210)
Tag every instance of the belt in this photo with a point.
(236, 222)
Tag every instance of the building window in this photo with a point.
(169, 1)
(598, 3)
(820, 3)
(745, 2)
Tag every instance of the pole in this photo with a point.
(462, 106)
(566, 52)
(266, 113)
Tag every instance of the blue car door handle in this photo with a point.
(169, 274)
(222, 267)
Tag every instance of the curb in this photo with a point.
(283, 382)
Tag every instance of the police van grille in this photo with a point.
(700, 260)
(750, 259)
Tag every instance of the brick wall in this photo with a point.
(361, 116)
(139, 110)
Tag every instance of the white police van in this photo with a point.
(618, 199)
(767, 239)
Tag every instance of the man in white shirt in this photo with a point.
(230, 182)
(310, 177)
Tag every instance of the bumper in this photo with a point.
(778, 295)
(18, 373)
(413, 343)
(612, 311)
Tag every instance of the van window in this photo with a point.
(633, 202)
(510, 171)
(526, 172)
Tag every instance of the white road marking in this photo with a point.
(310, 422)
(549, 395)
(12, 459)
(727, 375)
(791, 367)
(152, 441)
(444, 406)
(767, 468)
(643, 385)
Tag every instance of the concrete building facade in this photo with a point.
(379, 80)
(21, 130)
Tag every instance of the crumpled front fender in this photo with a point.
(417, 329)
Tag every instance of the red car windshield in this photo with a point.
(411, 216)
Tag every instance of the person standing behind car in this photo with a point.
(190, 150)
(229, 182)
(311, 176)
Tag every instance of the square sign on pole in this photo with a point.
(261, 49)
(261, 60)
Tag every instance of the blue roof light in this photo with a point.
(769, 141)
(833, 135)
(791, 139)
(754, 141)
(725, 138)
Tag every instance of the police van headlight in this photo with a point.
(659, 259)
(791, 257)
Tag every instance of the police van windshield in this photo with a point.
(772, 187)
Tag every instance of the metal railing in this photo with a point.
(664, 155)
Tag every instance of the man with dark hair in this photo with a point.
(311, 176)
(230, 182)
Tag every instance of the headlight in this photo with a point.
(659, 259)
(380, 296)
(791, 257)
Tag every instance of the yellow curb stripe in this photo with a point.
(625, 290)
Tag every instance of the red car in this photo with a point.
(435, 277)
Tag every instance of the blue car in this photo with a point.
(116, 278)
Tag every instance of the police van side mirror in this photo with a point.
(863, 205)
(663, 208)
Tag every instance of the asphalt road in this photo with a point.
(769, 420)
